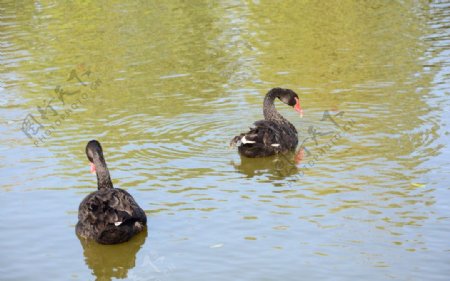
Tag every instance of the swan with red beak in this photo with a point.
(108, 215)
(275, 134)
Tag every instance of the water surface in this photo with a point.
(165, 86)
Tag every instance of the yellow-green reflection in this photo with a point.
(179, 79)
(112, 261)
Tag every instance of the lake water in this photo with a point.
(165, 86)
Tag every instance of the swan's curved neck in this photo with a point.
(269, 110)
(103, 177)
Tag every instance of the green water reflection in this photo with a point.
(178, 80)
(112, 261)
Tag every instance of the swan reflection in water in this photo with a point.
(280, 166)
(112, 261)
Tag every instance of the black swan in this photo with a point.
(274, 134)
(109, 215)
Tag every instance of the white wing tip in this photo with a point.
(117, 223)
(244, 140)
(275, 144)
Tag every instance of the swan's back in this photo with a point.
(274, 134)
(110, 216)
(267, 138)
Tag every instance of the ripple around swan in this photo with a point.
(188, 136)
(179, 80)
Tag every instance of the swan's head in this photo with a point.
(290, 98)
(93, 150)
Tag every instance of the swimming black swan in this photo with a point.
(109, 215)
(274, 134)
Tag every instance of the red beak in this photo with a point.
(92, 167)
(298, 108)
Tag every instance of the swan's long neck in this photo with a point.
(270, 112)
(103, 177)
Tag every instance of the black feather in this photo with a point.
(109, 215)
(274, 130)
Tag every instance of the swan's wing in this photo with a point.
(266, 138)
(105, 208)
(119, 207)
(263, 133)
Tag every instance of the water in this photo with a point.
(164, 87)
